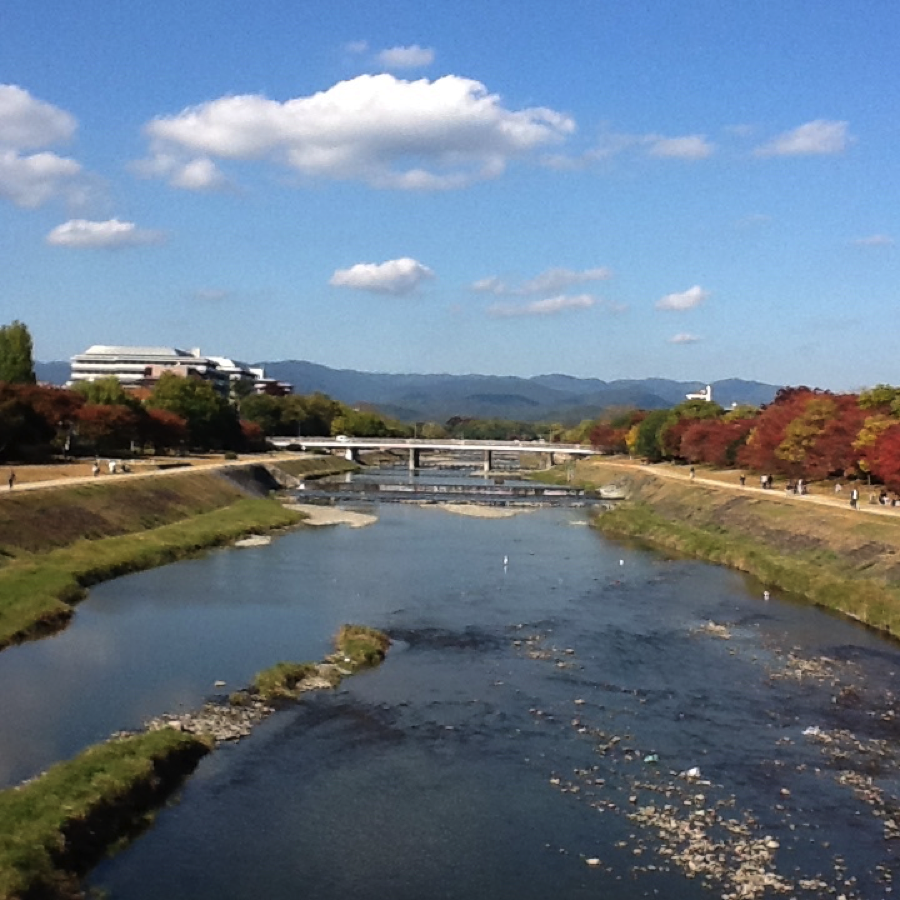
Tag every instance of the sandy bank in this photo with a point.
(331, 515)
(480, 512)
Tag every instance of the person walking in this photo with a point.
(692, 473)
(854, 499)
(743, 479)
(12, 478)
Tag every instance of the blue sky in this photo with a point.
(686, 189)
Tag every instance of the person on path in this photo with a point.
(95, 469)
(692, 473)
(854, 498)
(12, 478)
(763, 482)
(743, 479)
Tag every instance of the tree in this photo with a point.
(715, 441)
(163, 430)
(606, 437)
(32, 415)
(211, 420)
(880, 398)
(803, 431)
(770, 430)
(107, 429)
(16, 359)
(648, 443)
(884, 457)
(107, 392)
(268, 413)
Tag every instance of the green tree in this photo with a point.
(107, 392)
(267, 412)
(211, 420)
(648, 443)
(880, 396)
(16, 359)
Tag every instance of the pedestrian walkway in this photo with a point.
(145, 472)
(727, 479)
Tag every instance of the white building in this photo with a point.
(142, 367)
(705, 394)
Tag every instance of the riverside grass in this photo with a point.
(52, 829)
(356, 647)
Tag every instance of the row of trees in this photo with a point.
(804, 433)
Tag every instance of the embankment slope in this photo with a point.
(55, 543)
(845, 560)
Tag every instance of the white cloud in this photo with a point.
(611, 144)
(412, 57)
(396, 276)
(874, 240)
(198, 174)
(550, 282)
(684, 338)
(356, 47)
(549, 306)
(27, 123)
(384, 131)
(30, 181)
(694, 146)
(84, 234)
(685, 300)
(818, 138)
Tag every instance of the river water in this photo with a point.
(531, 733)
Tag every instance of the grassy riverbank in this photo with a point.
(53, 829)
(55, 543)
(839, 559)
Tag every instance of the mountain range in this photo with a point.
(560, 398)
(437, 398)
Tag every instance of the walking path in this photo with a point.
(820, 495)
(36, 478)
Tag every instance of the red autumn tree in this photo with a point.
(163, 430)
(715, 441)
(608, 438)
(770, 430)
(107, 429)
(252, 436)
(832, 451)
(884, 458)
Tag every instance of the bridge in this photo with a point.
(351, 446)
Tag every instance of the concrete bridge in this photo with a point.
(351, 446)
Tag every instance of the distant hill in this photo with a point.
(556, 397)
(52, 372)
(437, 398)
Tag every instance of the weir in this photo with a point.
(489, 494)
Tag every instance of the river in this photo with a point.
(588, 720)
